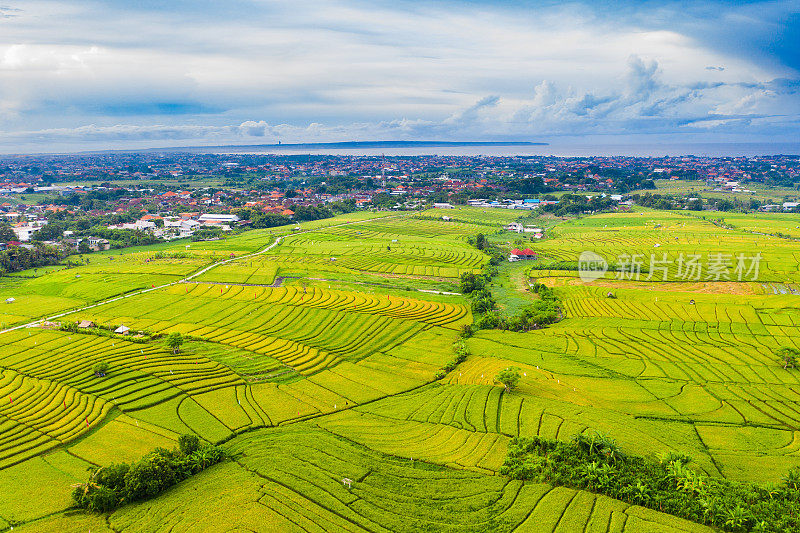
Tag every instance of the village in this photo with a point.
(96, 202)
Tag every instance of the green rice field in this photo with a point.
(314, 364)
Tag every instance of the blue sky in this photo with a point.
(125, 74)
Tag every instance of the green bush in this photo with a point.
(149, 476)
(508, 377)
(597, 463)
(188, 444)
(100, 369)
(115, 485)
(471, 282)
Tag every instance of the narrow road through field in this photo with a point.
(184, 280)
(143, 291)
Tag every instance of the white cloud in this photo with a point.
(342, 67)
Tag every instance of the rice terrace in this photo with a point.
(349, 381)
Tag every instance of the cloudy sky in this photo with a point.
(118, 74)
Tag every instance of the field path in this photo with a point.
(184, 280)
(280, 279)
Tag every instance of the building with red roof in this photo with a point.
(522, 255)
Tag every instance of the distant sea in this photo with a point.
(512, 149)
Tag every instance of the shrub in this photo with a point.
(596, 462)
(149, 476)
(188, 444)
(471, 282)
(508, 377)
(115, 485)
(100, 369)
(491, 320)
(483, 305)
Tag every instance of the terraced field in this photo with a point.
(314, 363)
(292, 481)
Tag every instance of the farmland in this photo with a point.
(315, 361)
(758, 191)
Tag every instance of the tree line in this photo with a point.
(115, 485)
(596, 463)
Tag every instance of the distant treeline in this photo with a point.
(17, 259)
(302, 213)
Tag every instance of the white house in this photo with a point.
(218, 218)
(97, 244)
(186, 228)
(144, 225)
(24, 233)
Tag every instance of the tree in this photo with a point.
(508, 377)
(695, 205)
(788, 357)
(483, 304)
(174, 342)
(100, 369)
(188, 444)
(149, 476)
(480, 241)
(470, 282)
(6, 233)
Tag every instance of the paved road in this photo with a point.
(184, 280)
(143, 291)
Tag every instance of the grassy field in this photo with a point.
(314, 362)
(694, 188)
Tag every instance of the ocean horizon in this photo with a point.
(552, 149)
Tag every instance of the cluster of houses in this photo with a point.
(516, 227)
(181, 226)
(528, 203)
(785, 206)
(88, 324)
(26, 225)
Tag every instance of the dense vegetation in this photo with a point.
(111, 486)
(598, 464)
(546, 310)
(17, 258)
(575, 204)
